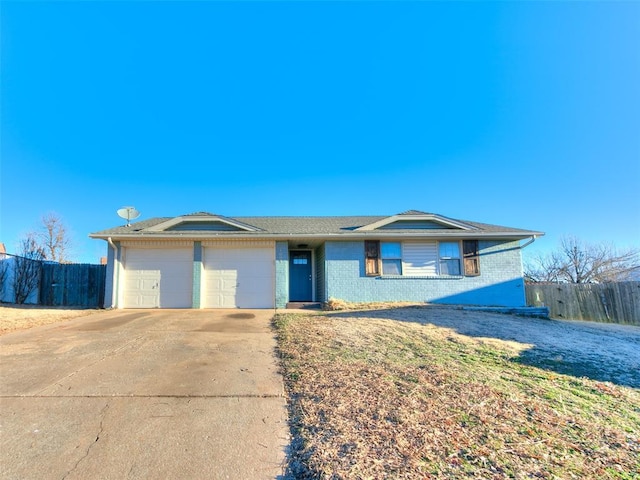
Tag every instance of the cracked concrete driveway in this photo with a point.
(143, 394)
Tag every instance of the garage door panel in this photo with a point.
(239, 277)
(158, 278)
(140, 300)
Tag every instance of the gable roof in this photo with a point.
(200, 221)
(415, 220)
(412, 223)
(414, 212)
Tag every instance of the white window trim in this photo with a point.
(401, 258)
(459, 258)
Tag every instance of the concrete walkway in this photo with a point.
(138, 394)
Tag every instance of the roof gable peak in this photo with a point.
(202, 221)
(201, 214)
(416, 220)
(414, 212)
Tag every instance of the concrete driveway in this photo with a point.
(135, 394)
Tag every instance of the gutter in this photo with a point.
(329, 236)
(113, 245)
(533, 239)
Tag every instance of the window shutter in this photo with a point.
(471, 258)
(372, 257)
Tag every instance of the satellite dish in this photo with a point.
(128, 213)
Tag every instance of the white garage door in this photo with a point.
(238, 277)
(158, 278)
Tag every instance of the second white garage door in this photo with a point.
(238, 277)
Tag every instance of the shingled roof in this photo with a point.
(343, 226)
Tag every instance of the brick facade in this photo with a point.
(282, 274)
(500, 281)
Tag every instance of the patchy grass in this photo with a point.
(335, 304)
(376, 398)
(22, 317)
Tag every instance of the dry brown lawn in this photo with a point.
(21, 317)
(374, 397)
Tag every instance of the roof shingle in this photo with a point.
(343, 225)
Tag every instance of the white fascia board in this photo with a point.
(433, 218)
(431, 236)
(375, 235)
(161, 227)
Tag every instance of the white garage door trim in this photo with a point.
(238, 277)
(158, 278)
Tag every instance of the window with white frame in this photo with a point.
(449, 253)
(420, 258)
(391, 255)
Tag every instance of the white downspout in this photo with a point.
(116, 271)
(533, 239)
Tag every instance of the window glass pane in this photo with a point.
(449, 250)
(392, 267)
(450, 267)
(391, 250)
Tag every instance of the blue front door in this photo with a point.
(300, 276)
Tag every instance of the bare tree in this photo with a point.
(53, 238)
(27, 268)
(578, 262)
(542, 268)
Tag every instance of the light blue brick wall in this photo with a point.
(321, 285)
(282, 274)
(500, 281)
(197, 274)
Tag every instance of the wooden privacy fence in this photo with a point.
(72, 284)
(605, 302)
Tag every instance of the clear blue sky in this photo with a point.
(525, 114)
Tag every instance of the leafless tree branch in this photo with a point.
(53, 238)
(27, 268)
(578, 262)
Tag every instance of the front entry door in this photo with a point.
(300, 276)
